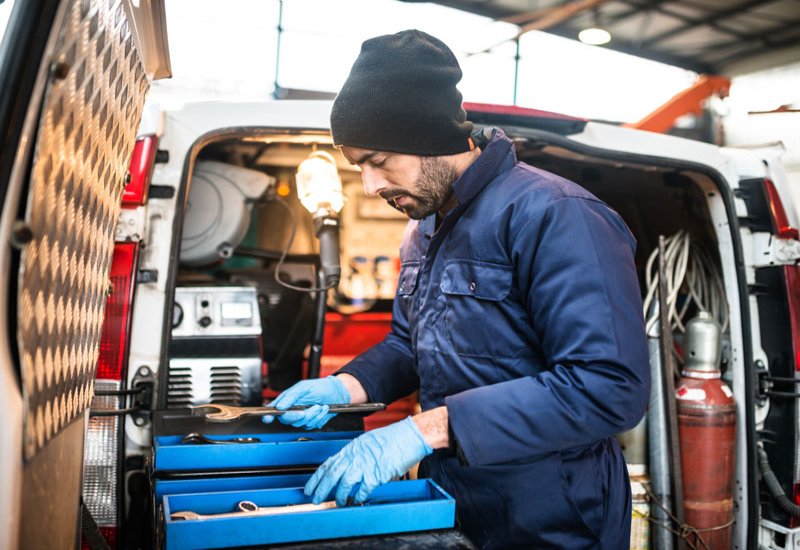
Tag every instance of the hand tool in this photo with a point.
(250, 509)
(195, 437)
(215, 412)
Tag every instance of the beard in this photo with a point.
(430, 192)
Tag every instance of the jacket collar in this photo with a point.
(498, 156)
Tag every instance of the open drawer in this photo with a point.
(271, 450)
(400, 506)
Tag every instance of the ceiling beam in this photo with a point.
(762, 37)
(485, 8)
(759, 42)
(766, 47)
(608, 19)
(688, 63)
(685, 18)
(521, 18)
(559, 15)
(700, 5)
(526, 17)
(551, 18)
(713, 18)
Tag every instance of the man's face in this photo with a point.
(416, 186)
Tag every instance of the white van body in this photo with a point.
(182, 133)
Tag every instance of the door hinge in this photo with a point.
(769, 250)
(130, 225)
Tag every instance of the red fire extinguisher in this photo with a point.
(707, 431)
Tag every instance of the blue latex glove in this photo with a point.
(319, 392)
(369, 461)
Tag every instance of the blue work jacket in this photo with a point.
(522, 314)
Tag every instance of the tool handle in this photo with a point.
(338, 408)
(328, 235)
(265, 511)
(228, 413)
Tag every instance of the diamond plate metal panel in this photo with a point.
(86, 134)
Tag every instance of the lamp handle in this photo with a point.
(327, 228)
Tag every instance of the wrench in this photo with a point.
(250, 509)
(215, 412)
(195, 437)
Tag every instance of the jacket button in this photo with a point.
(472, 286)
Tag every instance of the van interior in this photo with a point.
(647, 197)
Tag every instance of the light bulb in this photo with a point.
(318, 183)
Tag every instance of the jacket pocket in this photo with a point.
(585, 483)
(407, 282)
(522, 505)
(479, 320)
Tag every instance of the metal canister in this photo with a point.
(707, 428)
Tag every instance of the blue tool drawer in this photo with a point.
(164, 487)
(397, 507)
(275, 449)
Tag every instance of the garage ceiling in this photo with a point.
(724, 37)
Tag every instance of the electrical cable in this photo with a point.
(691, 274)
(783, 379)
(286, 252)
(774, 486)
(787, 394)
(114, 412)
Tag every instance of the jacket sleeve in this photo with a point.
(386, 370)
(576, 275)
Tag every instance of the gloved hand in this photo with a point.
(369, 461)
(319, 392)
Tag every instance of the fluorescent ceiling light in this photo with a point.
(594, 36)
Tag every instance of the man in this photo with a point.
(518, 317)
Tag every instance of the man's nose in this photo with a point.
(373, 182)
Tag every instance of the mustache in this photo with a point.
(392, 194)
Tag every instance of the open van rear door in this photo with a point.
(74, 84)
(663, 185)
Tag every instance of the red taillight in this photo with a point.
(144, 155)
(780, 220)
(792, 276)
(101, 459)
(784, 230)
(109, 533)
(116, 325)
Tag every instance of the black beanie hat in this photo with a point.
(401, 97)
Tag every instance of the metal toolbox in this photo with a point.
(283, 457)
(401, 506)
(214, 478)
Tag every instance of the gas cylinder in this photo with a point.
(707, 431)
